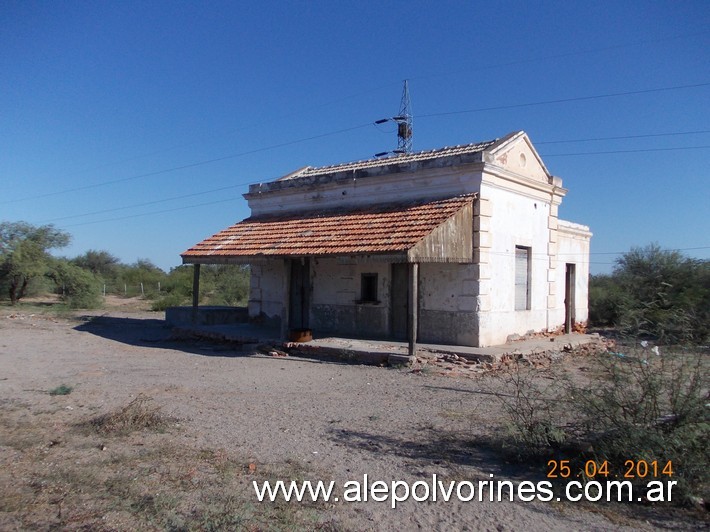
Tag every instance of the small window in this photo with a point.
(522, 278)
(368, 288)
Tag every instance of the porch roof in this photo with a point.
(422, 231)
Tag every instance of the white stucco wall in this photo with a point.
(466, 304)
(434, 183)
(267, 289)
(516, 220)
(447, 303)
(335, 295)
(573, 248)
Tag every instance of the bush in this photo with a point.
(644, 406)
(654, 293)
(79, 288)
(172, 299)
(61, 390)
(532, 420)
(636, 405)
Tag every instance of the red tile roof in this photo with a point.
(355, 231)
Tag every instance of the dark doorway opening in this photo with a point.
(570, 281)
(400, 289)
(299, 295)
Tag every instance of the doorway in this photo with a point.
(400, 288)
(570, 281)
(299, 293)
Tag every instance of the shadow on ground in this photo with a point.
(436, 448)
(155, 333)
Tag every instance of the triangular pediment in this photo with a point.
(516, 153)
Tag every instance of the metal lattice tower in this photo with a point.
(404, 124)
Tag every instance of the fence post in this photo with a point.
(142, 292)
(104, 289)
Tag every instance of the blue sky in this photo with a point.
(136, 126)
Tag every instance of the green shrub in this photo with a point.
(61, 390)
(532, 420)
(654, 293)
(172, 299)
(635, 405)
(79, 288)
(644, 406)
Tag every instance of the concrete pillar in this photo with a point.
(413, 304)
(286, 308)
(195, 291)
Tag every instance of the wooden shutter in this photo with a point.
(522, 277)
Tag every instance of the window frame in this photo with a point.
(519, 252)
(369, 289)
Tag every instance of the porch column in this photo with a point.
(286, 308)
(412, 304)
(195, 291)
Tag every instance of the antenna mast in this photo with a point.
(404, 124)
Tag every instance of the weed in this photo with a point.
(137, 415)
(639, 406)
(531, 410)
(61, 390)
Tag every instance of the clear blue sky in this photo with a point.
(154, 116)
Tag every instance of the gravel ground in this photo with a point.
(335, 420)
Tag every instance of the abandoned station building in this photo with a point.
(460, 245)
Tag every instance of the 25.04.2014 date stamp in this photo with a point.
(632, 469)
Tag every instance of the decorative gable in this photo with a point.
(517, 155)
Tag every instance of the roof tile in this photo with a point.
(465, 149)
(364, 230)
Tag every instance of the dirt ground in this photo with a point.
(231, 417)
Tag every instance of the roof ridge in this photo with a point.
(404, 156)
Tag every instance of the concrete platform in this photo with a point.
(366, 351)
(206, 315)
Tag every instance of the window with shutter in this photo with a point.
(522, 278)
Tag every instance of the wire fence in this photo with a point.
(149, 290)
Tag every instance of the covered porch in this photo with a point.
(354, 271)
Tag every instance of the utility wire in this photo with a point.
(623, 137)
(245, 183)
(144, 204)
(564, 100)
(186, 166)
(380, 87)
(565, 54)
(623, 151)
(297, 141)
(155, 212)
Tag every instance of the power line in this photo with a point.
(380, 87)
(624, 151)
(236, 185)
(186, 166)
(243, 128)
(623, 137)
(297, 141)
(155, 212)
(569, 54)
(144, 204)
(564, 100)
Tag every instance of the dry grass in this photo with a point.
(123, 475)
(139, 414)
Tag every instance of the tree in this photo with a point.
(655, 292)
(98, 262)
(24, 254)
(80, 286)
